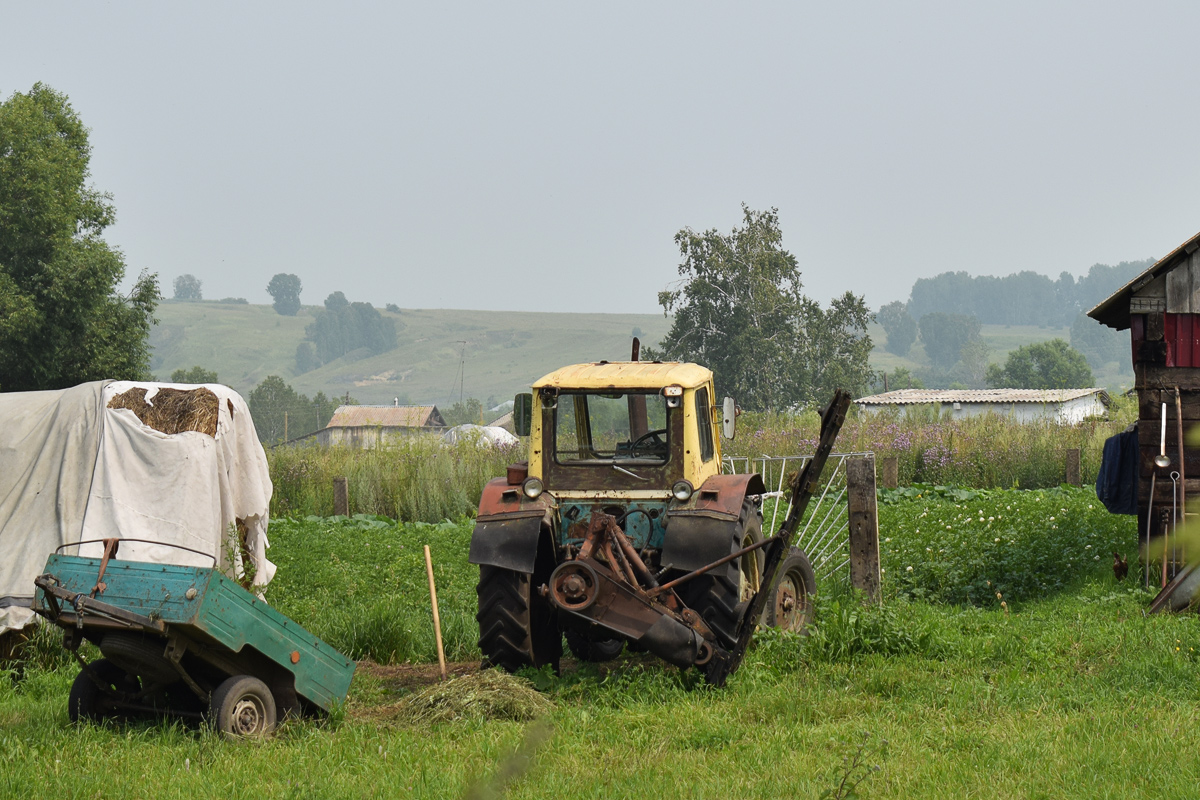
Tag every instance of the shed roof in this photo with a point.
(626, 375)
(907, 397)
(387, 417)
(1114, 311)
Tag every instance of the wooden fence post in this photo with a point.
(891, 472)
(341, 497)
(1073, 467)
(864, 525)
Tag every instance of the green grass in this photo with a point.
(1067, 693)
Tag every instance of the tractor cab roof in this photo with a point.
(627, 375)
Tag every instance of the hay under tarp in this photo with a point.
(489, 694)
(173, 411)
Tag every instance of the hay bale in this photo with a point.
(172, 410)
(489, 694)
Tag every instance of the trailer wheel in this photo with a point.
(592, 647)
(242, 706)
(716, 597)
(93, 701)
(790, 606)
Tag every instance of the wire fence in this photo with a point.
(823, 533)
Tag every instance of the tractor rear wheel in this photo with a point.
(720, 599)
(517, 627)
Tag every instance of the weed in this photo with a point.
(856, 769)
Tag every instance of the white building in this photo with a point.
(1065, 406)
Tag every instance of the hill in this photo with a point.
(503, 352)
(498, 352)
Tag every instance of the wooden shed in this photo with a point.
(1161, 309)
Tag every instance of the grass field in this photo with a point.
(1068, 690)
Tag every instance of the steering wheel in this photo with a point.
(651, 440)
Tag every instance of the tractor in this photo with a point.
(621, 529)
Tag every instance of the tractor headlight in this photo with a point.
(532, 488)
(682, 491)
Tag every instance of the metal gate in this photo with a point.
(824, 531)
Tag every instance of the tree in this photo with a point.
(1100, 344)
(944, 336)
(900, 327)
(739, 310)
(285, 289)
(973, 362)
(469, 411)
(279, 411)
(342, 327)
(187, 287)
(194, 375)
(62, 320)
(1044, 365)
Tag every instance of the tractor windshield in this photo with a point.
(611, 427)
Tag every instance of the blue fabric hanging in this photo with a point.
(1117, 483)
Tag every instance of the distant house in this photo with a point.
(1026, 405)
(370, 426)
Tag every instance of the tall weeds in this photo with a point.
(985, 452)
(418, 480)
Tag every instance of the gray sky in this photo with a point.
(519, 156)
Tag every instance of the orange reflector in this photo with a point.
(295, 656)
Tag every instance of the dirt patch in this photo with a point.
(172, 410)
(413, 677)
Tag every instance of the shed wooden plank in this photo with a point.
(1159, 376)
(1179, 290)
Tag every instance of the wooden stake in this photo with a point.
(437, 622)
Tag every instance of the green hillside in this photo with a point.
(504, 351)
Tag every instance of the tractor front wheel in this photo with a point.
(790, 606)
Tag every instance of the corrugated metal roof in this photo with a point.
(626, 375)
(1114, 310)
(387, 417)
(905, 397)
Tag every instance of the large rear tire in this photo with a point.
(517, 626)
(718, 597)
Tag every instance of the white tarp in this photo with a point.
(486, 435)
(72, 469)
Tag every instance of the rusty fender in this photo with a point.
(507, 528)
(705, 528)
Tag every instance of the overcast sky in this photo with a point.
(542, 157)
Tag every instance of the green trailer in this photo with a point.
(184, 641)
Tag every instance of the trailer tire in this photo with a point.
(589, 646)
(717, 598)
(790, 605)
(242, 707)
(517, 627)
(88, 701)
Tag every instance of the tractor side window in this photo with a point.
(704, 423)
(606, 427)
